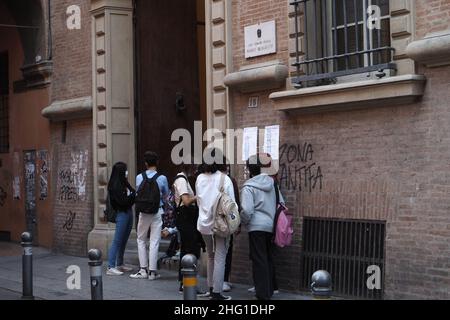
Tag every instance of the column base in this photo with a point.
(101, 238)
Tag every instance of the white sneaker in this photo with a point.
(206, 294)
(141, 274)
(154, 276)
(113, 272)
(252, 290)
(226, 287)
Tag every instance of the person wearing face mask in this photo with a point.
(121, 195)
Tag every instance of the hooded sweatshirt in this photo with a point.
(258, 203)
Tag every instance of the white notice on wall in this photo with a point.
(272, 141)
(16, 188)
(260, 39)
(249, 143)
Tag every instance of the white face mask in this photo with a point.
(126, 174)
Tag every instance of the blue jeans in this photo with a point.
(124, 223)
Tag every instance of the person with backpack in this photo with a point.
(259, 206)
(215, 195)
(120, 202)
(191, 241)
(227, 286)
(152, 189)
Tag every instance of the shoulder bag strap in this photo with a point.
(277, 213)
(277, 194)
(187, 181)
(222, 182)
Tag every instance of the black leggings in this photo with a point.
(262, 263)
(190, 238)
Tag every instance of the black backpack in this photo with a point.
(148, 196)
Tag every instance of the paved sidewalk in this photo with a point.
(50, 279)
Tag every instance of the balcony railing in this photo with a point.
(339, 38)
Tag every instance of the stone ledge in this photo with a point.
(432, 51)
(258, 77)
(69, 109)
(369, 93)
(35, 76)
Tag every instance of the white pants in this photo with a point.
(217, 250)
(154, 223)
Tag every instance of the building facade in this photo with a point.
(359, 89)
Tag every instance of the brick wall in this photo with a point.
(72, 56)
(72, 165)
(432, 16)
(73, 192)
(247, 12)
(387, 163)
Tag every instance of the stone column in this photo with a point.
(113, 104)
(403, 23)
(218, 62)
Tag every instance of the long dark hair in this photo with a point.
(118, 180)
(218, 161)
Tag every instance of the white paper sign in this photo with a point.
(16, 188)
(260, 39)
(272, 141)
(249, 143)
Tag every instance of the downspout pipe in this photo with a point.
(50, 43)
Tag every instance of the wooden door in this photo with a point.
(167, 72)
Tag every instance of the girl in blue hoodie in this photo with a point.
(258, 202)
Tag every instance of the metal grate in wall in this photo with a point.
(346, 249)
(341, 37)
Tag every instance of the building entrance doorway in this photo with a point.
(170, 75)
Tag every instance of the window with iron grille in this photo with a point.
(339, 38)
(346, 249)
(4, 110)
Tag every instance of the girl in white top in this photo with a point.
(207, 188)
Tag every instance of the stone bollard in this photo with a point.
(27, 266)
(189, 272)
(321, 285)
(95, 265)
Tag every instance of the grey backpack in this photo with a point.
(226, 213)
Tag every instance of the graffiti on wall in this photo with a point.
(30, 192)
(72, 180)
(16, 188)
(16, 179)
(69, 222)
(298, 170)
(44, 168)
(3, 196)
(30, 180)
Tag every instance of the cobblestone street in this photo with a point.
(50, 279)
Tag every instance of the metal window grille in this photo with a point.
(4, 108)
(345, 248)
(337, 40)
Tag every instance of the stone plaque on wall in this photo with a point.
(260, 39)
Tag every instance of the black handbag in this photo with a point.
(110, 212)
